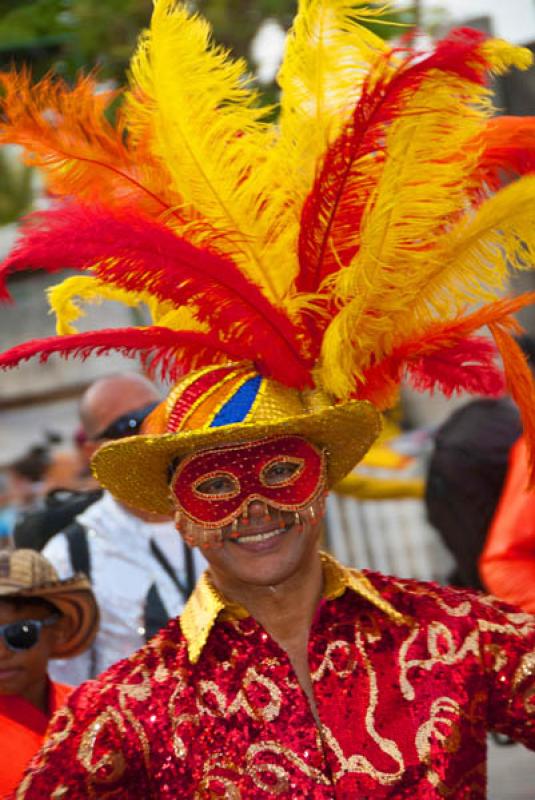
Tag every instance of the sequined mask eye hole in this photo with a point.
(217, 485)
(281, 471)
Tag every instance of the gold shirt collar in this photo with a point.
(207, 603)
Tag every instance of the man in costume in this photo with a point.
(299, 270)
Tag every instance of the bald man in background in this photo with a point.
(140, 570)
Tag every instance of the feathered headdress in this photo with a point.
(340, 247)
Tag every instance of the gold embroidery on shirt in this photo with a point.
(442, 725)
(327, 664)
(232, 792)
(179, 747)
(518, 627)
(51, 742)
(442, 649)
(358, 762)
(462, 610)
(525, 669)
(496, 655)
(256, 769)
(241, 702)
(60, 792)
(113, 760)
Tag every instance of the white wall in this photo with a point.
(511, 19)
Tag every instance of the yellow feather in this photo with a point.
(62, 301)
(182, 319)
(499, 236)
(201, 118)
(328, 54)
(502, 55)
(423, 185)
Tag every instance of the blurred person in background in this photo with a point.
(41, 617)
(507, 563)
(8, 513)
(68, 489)
(26, 476)
(22, 487)
(141, 573)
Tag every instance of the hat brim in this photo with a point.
(135, 469)
(75, 600)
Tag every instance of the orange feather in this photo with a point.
(521, 385)
(64, 131)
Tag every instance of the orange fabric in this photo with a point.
(507, 564)
(22, 730)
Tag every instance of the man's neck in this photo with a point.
(285, 610)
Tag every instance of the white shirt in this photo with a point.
(123, 569)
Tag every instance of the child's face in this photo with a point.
(24, 672)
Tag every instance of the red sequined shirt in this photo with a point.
(407, 677)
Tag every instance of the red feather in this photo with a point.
(445, 356)
(332, 212)
(467, 366)
(509, 150)
(126, 249)
(163, 351)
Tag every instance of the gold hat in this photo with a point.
(26, 573)
(220, 405)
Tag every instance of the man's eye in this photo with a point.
(217, 485)
(280, 472)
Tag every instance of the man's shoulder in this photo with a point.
(159, 662)
(428, 601)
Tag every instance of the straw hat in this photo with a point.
(26, 573)
(221, 405)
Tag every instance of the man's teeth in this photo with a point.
(260, 537)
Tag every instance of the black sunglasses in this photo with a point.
(25, 633)
(126, 425)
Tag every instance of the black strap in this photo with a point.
(155, 613)
(76, 535)
(166, 566)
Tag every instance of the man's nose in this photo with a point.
(257, 509)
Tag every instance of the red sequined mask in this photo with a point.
(216, 486)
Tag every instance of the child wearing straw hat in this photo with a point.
(41, 617)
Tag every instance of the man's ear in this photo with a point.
(89, 447)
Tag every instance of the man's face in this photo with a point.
(24, 670)
(255, 508)
(111, 401)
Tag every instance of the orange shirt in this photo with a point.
(22, 730)
(507, 564)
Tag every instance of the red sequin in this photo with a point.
(404, 708)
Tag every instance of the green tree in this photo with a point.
(69, 35)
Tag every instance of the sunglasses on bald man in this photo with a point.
(127, 424)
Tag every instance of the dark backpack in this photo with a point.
(465, 479)
(60, 507)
